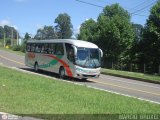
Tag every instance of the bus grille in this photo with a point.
(89, 75)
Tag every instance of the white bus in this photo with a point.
(67, 57)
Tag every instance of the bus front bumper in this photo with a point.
(87, 72)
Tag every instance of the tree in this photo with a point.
(7, 30)
(27, 36)
(45, 33)
(10, 34)
(64, 26)
(138, 28)
(150, 44)
(116, 34)
(1, 32)
(88, 31)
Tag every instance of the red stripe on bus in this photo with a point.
(31, 55)
(66, 66)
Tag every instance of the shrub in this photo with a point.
(16, 48)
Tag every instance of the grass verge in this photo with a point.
(133, 75)
(10, 50)
(23, 93)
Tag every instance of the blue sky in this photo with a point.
(29, 15)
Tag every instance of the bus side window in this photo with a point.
(59, 49)
(32, 47)
(70, 52)
(44, 48)
(28, 48)
(51, 48)
(38, 48)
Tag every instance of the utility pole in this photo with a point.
(4, 37)
(17, 38)
(12, 37)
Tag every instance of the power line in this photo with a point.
(104, 1)
(139, 15)
(89, 3)
(103, 7)
(142, 3)
(144, 8)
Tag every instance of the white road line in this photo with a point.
(123, 94)
(130, 82)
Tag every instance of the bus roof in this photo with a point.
(78, 43)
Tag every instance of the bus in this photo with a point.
(66, 57)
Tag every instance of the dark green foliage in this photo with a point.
(113, 33)
(1, 32)
(47, 32)
(9, 31)
(149, 47)
(23, 48)
(64, 26)
(88, 31)
(16, 48)
(27, 36)
(19, 48)
(116, 34)
(135, 50)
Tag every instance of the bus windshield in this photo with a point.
(88, 57)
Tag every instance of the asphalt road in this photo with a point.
(127, 87)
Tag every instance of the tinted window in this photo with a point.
(51, 48)
(28, 48)
(38, 48)
(32, 47)
(59, 49)
(70, 52)
(44, 48)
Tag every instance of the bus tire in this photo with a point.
(61, 73)
(36, 68)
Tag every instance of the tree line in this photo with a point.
(8, 33)
(62, 30)
(126, 45)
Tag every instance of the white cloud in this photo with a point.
(4, 22)
(7, 22)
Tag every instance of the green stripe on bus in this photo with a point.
(51, 63)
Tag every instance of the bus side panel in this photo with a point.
(47, 63)
(30, 59)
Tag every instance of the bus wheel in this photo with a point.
(61, 72)
(36, 67)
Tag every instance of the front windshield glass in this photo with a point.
(88, 57)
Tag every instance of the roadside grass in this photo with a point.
(23, 93)
(10, 50)
(132, 75)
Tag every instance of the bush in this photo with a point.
(23, 47)
(16, 48)
(19, 48)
